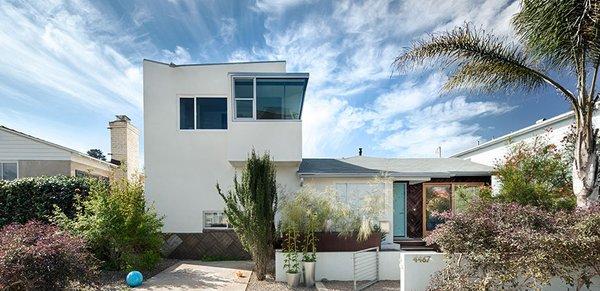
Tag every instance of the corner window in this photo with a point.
(215, 219)
(202, 113)
(8, 171)
(269, 98)
(279, 98)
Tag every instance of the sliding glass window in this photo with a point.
(202, 113)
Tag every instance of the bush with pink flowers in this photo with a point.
(511, 246)
(37, 256)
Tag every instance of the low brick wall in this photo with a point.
(209, 245)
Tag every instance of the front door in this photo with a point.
(399, 209)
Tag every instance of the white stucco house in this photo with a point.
(202, 120)
(553, 130)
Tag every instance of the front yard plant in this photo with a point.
(118, 226)
(250, 208)
(38, 256)
(494, 246)
(536, 173)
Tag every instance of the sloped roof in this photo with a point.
(405, 167)
(72, 151)
(541, 124)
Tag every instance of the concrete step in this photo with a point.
(413, 242)
(417, 248)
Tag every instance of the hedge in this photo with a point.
(25, 199)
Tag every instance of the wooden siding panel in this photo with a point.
(15, 147)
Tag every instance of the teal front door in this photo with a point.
(399, 209)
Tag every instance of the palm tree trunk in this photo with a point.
(585, 162)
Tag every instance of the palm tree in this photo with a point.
(558, 36)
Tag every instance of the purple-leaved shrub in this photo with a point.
(38, 256)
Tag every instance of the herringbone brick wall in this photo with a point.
(209, 245)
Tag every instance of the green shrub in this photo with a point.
(37, 256)
(26, 199)
(536, 174)
(118, 226)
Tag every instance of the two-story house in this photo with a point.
(202, 120)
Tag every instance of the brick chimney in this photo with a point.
(124, 145)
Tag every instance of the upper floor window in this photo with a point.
(8, 171)
(202, 113)
(269, 98)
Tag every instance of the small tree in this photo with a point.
(96, 153)
(536, 174)
(250, 208)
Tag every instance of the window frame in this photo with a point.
(453, 185)
(204, 212)
(2, 162)
(194, 96)
(254, 99)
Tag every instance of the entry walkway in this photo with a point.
(198, 275)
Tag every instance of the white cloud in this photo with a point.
(240, 56)
(444, 125)
(178, 56)
(228, 29)
(277, 6)
(141, 14)
(65, 49)
(348, 54)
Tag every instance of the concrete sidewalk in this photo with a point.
(198, 275)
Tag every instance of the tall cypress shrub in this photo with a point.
(250, 208)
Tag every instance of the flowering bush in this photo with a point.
(536, 174)
(494, 246)
(36, 256)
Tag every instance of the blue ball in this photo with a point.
(134, 279)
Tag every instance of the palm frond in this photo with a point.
(480, 60)
(555, 31)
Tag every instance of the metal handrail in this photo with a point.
(359, 266)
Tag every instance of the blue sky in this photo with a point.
(68, 67)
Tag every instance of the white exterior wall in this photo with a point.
(417, 268)
(494, 153)
(183, 166)
(320, 184)
(338, 266)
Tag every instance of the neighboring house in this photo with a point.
(553, 130)
(23, 155)
(201, 121)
